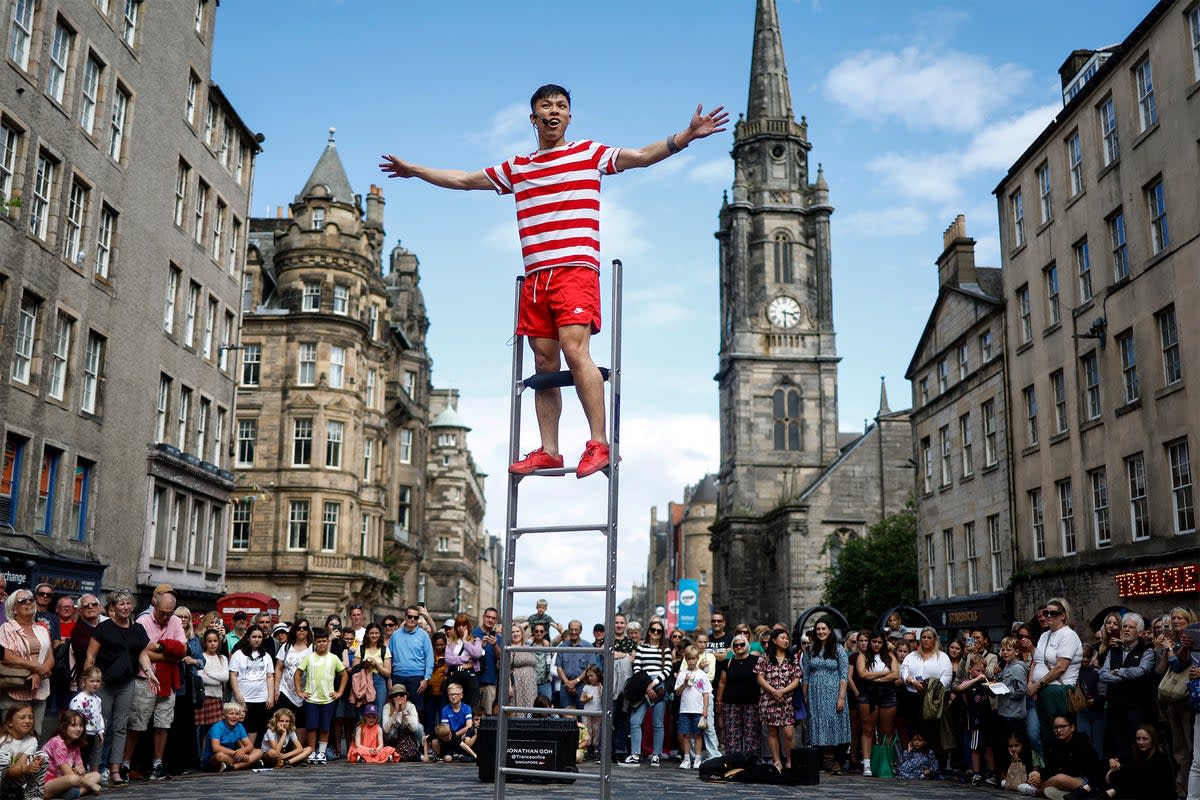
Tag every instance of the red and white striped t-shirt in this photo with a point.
(558, 202)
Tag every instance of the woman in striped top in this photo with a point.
(653, 657)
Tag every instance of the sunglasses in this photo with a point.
(90, 605)
(45, 594)
(739, 644)
(24, 601)
(654, 630)
(389, 624)
(412, 616)
(1050, 612)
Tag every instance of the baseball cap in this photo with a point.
(448, 623)
(370, 709)
(597, 628)
(279, 627)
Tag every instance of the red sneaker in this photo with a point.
(594, 459)
(539, 459)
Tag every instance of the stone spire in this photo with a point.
(770, 97)
(884, 408)
(330, 173)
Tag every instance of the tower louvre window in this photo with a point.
(783, 254)
(786, 413)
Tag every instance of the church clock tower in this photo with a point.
(778, 358)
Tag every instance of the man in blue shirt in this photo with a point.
(492, 640)
(571, 666)
(412, 657)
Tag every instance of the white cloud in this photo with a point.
(947, 90)
(508, 132)
(997, 145)
(718, 172)
(896, 221)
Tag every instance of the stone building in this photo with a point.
(125, 176)
(1099, 240)
(333, 440)
(960, 435)
(791, 487)
(679, 547)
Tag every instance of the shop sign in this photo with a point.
(1154, 582)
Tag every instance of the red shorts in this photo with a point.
(552, 298)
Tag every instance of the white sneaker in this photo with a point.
(685, 763)
(631, 761)
(696, 763)
(1027, 789)
(866, 769)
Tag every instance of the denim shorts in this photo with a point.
(687, 724)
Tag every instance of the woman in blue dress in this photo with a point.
(826, 666)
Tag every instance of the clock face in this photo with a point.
(783, 312)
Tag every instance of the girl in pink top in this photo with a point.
(64, 767)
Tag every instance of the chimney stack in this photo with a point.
(956, 265)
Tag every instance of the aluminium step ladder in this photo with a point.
(514, 532)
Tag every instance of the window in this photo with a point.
(964, 437)
(447, 440)
(184, 414)
(923, 390)
(207, 559)
(161, 407)
(1037, 523)
(404, 507)
(1147, 109)
(1139, 502)
(212, 311)
(1128, 365)
(251, 364)
(247, 440)
(341, 299)
(218, 439)
(1120, 249)
(985, 345)
(943, 376)
(329, 526)
(364, 535)
(994, 545)
(190, 312)
(199, 20)
(226, 143)
(210, 123)
(21, 32)
(93, 370)
(927, 464)
(189, 105)
(43, 190)
(1181, 487)
(369, 392)
(9, 140)
(785, 408)
(116, 129)
(239, 537)
(1075, 163)
(302, 441)
(318, 219)
(1108, 131)
(218, 232)
(1066, 516)
(1156, 202)
(311, 296)
(1100, 521)
(202, 426)
(964, 361)
(226, 341)
(1018, 218)
(247, 292)
(368, 456)
(43, 510)
(944, 441)
(1194, 27)
(1025, 313)
(129, 31)
(183, 177)
(235, 236)
(60, 58)
(443, 544)
(72, 249)
(1058, 385)
(406, 442)
(81, 497)
(948, 547)
(337, 367)
(64, 332)
(1043, 179)
(200, 212)
(783, 258)
(90, 95)
(298, 525)
(1083, 268)
(1053, 307)
(105, 233)
(239, 167)
(308, 365)
(1091, 381)
(931, 560)
(1029, 395)
(10, 479)
(1168, 337)
(972, 558)
(373, 323)
(27, 318)
(335, 432)
(990, 435)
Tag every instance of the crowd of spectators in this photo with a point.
(1052, 710)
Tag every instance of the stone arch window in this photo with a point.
(836, 542)
(782, 246)
(786, 412)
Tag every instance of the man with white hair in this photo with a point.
(1129, 678)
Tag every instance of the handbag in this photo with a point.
(883, 758)
(1173, 687)
(1076, 699)
(15, 677)
(196, 687)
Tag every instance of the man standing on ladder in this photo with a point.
(557, 190)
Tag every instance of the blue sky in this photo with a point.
(915, 109)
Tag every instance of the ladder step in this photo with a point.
(599, 527)
(542, 773)
(548, 589)
(576, 712)
(555, 380)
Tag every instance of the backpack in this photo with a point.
(60, 675)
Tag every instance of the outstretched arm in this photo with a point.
(702, 125)
(446, 178)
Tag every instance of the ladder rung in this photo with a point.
(541, 712)
(555, 380)
(599, 527)
(538, 773)
(548, 589)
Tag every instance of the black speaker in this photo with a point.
(545, 743)
(806, 767)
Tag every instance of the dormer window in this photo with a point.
(318, 219)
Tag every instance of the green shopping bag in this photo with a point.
(883, 758)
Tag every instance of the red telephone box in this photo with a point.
(250, 602)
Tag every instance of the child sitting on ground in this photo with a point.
(87, 702)
(228, 745)
(1018, 768)
(456, 715)
(917, 761)
(368, 746)
(444, 745)
(281, 745)
(64, 769)
(22, 765)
